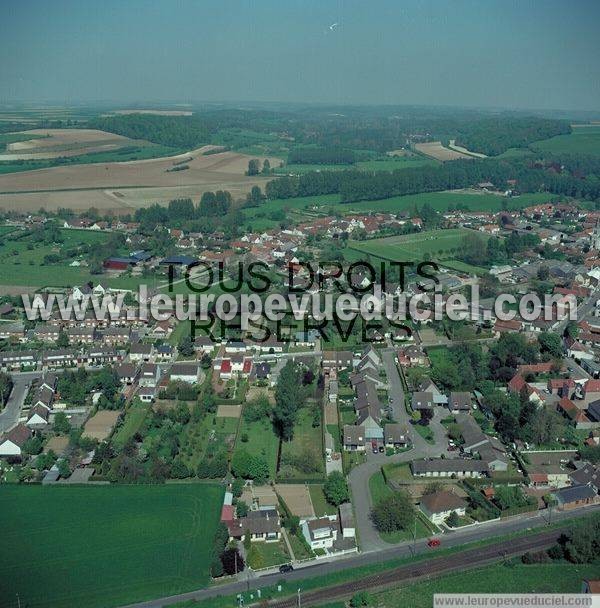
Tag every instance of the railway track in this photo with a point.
(434, 567)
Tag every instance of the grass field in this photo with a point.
(438, 244)
(103, 546)
(512, 577)
(23, 266)
(320, 504)
(262, 441)
(583, 140)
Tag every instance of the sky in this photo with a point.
(541, 54)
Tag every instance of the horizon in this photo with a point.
(500, 56)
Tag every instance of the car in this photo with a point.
(381, 449)
(285, 568)
(374, 447)
(434, 542)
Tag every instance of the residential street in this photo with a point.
(10, 415)
(359, 476)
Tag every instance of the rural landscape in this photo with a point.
(299, 305)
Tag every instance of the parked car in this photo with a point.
(285, 568)
(434, 542)
(374, 447)
(381, 449)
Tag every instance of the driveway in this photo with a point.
(10, 415)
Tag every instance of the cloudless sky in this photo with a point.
(500, 53)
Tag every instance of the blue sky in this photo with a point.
(522, 54)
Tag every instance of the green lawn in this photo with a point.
(307, 439)
(378, 487)
(513, 577)
(272, 554)
(262, 441)
(320, 504)
(103, 546)
(134, 418)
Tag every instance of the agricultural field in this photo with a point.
(583, 140)
(387, 164)
(121, 187)
(435, 150)
(125, 557)
(438, 244)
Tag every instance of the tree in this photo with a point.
(551, 344)
(241, 508)
(33, 446)
(62, 426)
(237, 487)
(63, 468)
(395, 512)
(255, 558)
(186, 346)
(232, 561)
(253, 167)
(179, 470)
(433, 487)
(288, 398)
(63, 339)
(453, 520)
(336, 489)
(247, 466)
(266, 168)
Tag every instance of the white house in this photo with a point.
(440, 505)
(184, 372)
(12, 442)
(320, 533)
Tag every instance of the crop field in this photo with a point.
(140, 542)
(583, 140)
(54, 143)
(387, 164)
(439, 244)
(124, 186)
(436, 150)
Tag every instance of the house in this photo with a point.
(354, 438)
(127, 373)
(307, 339)
(262, 371)
(225, 371)
(438, 506)
(149, 374)
(421, 401)
(116, 335)
(141, 351)
(184, 372)
(396, 435)
(11, 443)
(573, 497)
(337, 360)
(588, 474)
(81, 335)
(590, 586)
(262, 525)
(459, 402)
(347, 520)
(320, 533)
(147, 394)
(38, 417)
(449, 467)
(472, 434)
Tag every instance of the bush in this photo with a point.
(393, 513)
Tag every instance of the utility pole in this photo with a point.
(299, 598)
(18, 601)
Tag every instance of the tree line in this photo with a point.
(321, 156)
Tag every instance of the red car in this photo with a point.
(374, 446)
(434, 542)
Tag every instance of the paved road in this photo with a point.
(403, 550)
(10, 415)
(359, 476)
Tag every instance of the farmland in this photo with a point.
(436, 150)
(387, 164)
(121, 187)
(140, 542)
(437, 244)
(583, 140)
